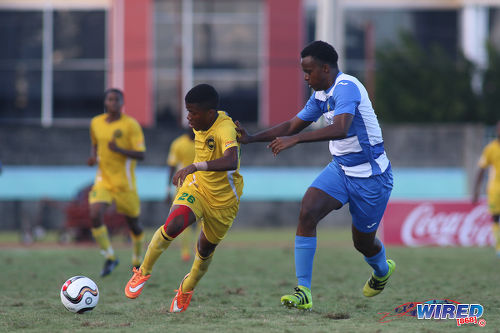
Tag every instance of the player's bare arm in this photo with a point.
(477, 185)
(227, 162)
(135, 154)
(289, 127)
(93, 155)
(337, 130)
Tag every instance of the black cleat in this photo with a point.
(109, 266)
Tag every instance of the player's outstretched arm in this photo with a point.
(135, 154)
(337, 130)
(229, 161)
(477, 184)
(289, 127)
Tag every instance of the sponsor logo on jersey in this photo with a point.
(229, 143)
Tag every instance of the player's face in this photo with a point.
(113, 102)
(315, 73)
(199, 118)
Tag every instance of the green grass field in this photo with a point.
(242, 289)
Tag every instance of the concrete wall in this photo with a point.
(406, 145)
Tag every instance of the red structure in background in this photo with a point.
(437, 223)
(283, 94)
(77, 220)
(131, 56)
(130, 48)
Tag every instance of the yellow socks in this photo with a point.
(137, 241)
(199, 268)
(159, 243)
(101, 236)
(495, 228)
(186, 247)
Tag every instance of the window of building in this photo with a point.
(77, 65)
(20, 65)
(227, 42)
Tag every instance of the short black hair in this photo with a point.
(321, 51)
(116, 91)
(203, 94)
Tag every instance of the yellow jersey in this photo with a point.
(490, 157)
(220, 188)
(181, 153)
(116, 172)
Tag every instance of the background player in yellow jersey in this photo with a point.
(210, 190)
(180, 155)
(117, 143)
(490, 158)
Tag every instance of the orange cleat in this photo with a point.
(136, 283)
(181, 300)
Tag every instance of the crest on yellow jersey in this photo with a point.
(117, 134)
(210, 143)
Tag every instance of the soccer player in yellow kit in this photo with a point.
(117, 144)
(490, 158)
(210, 190)
(180, 155)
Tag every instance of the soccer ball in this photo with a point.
(79, 294)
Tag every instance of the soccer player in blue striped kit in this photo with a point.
(359, 173)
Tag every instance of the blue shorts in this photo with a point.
(367, 197)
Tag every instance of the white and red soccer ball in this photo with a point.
(79, 294)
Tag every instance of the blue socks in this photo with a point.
(305, 247)
(379, 263)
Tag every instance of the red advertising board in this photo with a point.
(441, 223)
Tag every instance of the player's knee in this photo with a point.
(174, 227)
(96, 213)
(134, 226)
(307, 218)
(95, 219)
(206, 251)
(177, 221)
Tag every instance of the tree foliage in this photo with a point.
(491, 88)
(420, 85)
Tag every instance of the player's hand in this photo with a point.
(91, 161)
(180, 175)
(113, 146)
(282, 143)
(243, 136)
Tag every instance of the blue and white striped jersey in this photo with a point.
(361, 153)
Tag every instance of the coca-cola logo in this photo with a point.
(426, 225)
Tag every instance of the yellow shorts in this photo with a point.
(494, 202)
(215, 221)
(127, 202)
